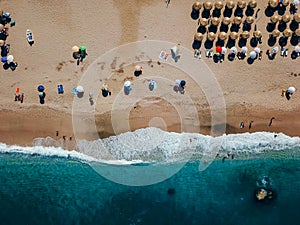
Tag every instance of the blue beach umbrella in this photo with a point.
(4, 59)
(41, 88)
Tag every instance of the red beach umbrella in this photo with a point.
(219, 49)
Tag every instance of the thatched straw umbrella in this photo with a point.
(215, 21)
(274, 19)
(237, 20)
(226, 20)
(273, 3)
(75, 49)
(287, 33)
(257, 34)
(219, 5)
(204, 22)
(211, 36)
(197, 6)
(297, 32)
(233, 35)
(241, 4)
(275, 33)
(252, 4)
(198, 37)
(250, 19)
(245, 34)
(222, 36)
(297, 17)
(286, 18)
(207, 5)
(285, 2)
(230, 4)
(2, 42)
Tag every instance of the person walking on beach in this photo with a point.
(271, 121)
(250, 124)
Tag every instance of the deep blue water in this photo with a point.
(51, 190)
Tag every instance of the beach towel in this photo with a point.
(60, 89)
(163, 55)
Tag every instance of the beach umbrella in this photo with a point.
(197, 6)
(253, 54)
(207, 5)
(226, 20)
(10, 58)
(222, 36)
(244, 50)
(274, 18)
(198, 37)
(287, 33)
(211, 36)
(285, 2)
(80, 89)
(237, 20)
(291, 90)
(297, 48)
(204, 21)
(4, 59)
(241, 4)
(297, 32)
(233, 35)
(224, 50)
(215, 21)
(297, 17)
(233, 50)
(286, 18)
(275, 50)
(230, 4)
(275, 33)
(257, 34)
(219, 5)
(257, 50)
(82, 48)
(296, 2)
(245, 34)
(182, 83)
(252, 3)
(127, 83)
(137, 68)
(250, 19)
(219, 49)
(273, 3)
(75, 48)
(2, 42)
(41, 88)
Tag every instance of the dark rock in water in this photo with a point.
(171, 191)
(264, 195)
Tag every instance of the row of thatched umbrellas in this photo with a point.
(223, 35)
(229, 5)
(285, 18)
(226, 21)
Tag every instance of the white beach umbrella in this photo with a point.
(224, 50)
(275, 49)
(296, 2)
(291, 90)
(10, 58)
(297, 49)
(127, 83)
(233, 50)
(253, 54)
(79, 89)
(257, 50)
(244, 49)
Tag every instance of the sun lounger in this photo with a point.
(60, 89)
(29, 37)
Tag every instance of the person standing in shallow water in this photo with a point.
(271, 121)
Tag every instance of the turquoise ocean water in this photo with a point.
(46, 189)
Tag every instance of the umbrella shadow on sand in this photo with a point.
(272, 41)
(230, 43)
(250, 60)
(253, 42)
(208, 44)
(242, 42)
(201, 29)
(295, 40)
(269, 11)
(196, 44)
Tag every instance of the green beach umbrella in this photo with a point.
(82, 48)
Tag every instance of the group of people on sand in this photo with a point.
(7, 60)
(79, 53)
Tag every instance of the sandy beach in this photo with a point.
(252, 92)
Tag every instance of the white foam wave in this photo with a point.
(142, 146)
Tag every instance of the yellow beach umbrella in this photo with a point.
(275, 33)
(297, 17)
(241, 4)
(198, 36)
(237, 20)
(230, 4)
(75, 48)
(215, 21)
(2, 42)
(211, 36)
(273, 3)
(197, 6)
(204, 21)
(222, 36)
(252, 3)
(207, 5)
(285, 2)
(286, 18)
(297, 32)
(245, 34)
(233, 35)
(250, 19)
(287, 33)
(274, 19)
(257, 34)
(226, 20)
(219, 5)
